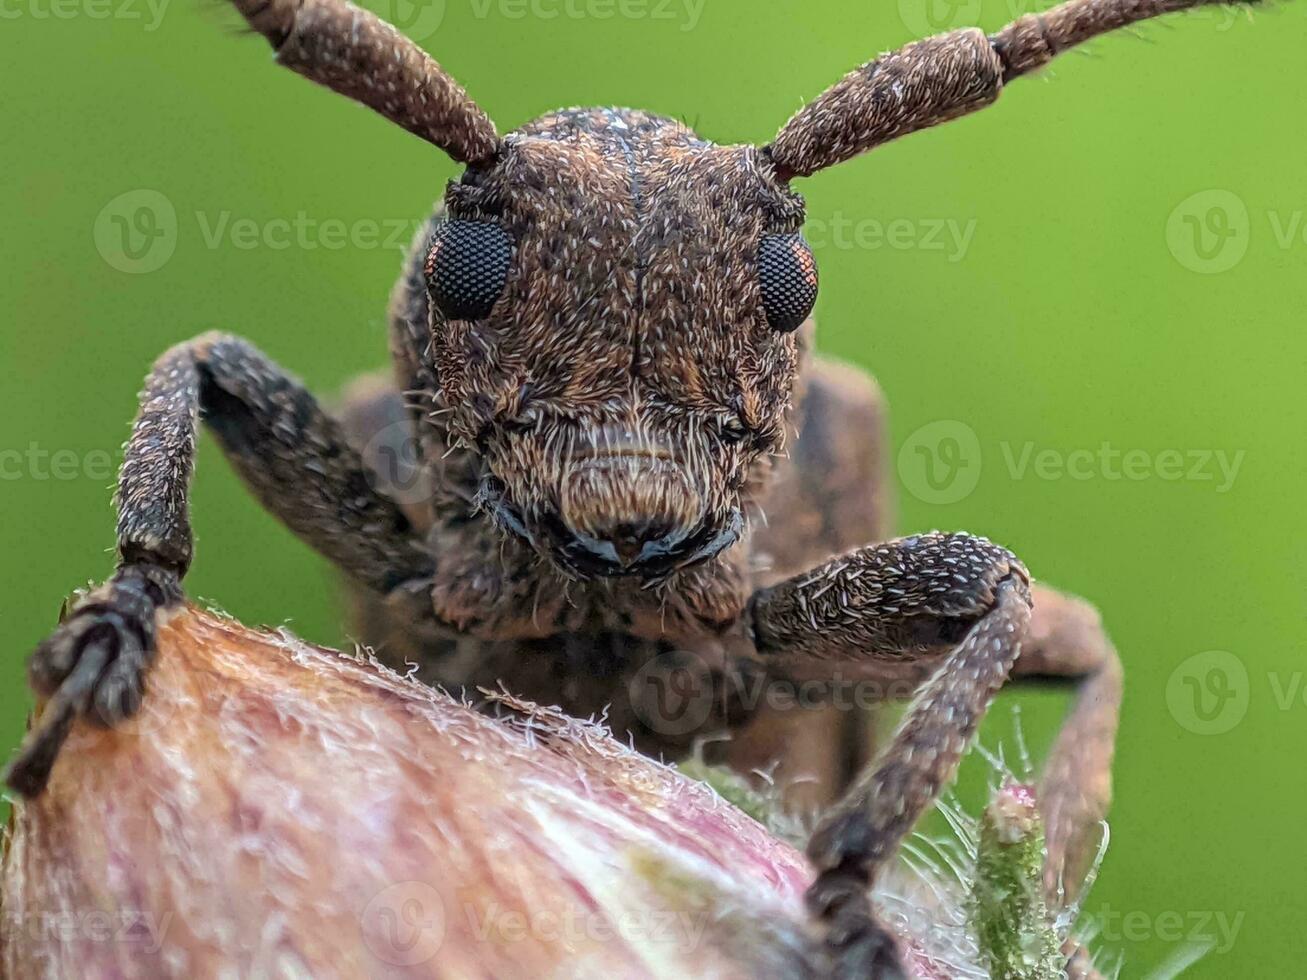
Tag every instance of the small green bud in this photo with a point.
(1016, 933)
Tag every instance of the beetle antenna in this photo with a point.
(931, 81)
(356, 53)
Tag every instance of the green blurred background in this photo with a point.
(1113, 255)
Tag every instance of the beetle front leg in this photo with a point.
(291, 454)
(914, 599)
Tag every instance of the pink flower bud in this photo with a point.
(282, 810)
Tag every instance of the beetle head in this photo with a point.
(613, 308)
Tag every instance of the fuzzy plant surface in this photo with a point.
(279, 809)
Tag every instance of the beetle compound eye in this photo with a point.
(787, 273)
(467, 267)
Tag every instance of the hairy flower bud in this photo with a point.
(278, 809)
(1017, 934)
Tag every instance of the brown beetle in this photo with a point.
(600, 343)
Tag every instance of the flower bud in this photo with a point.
(281, 810)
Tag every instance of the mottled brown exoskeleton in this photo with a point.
(600, 344)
